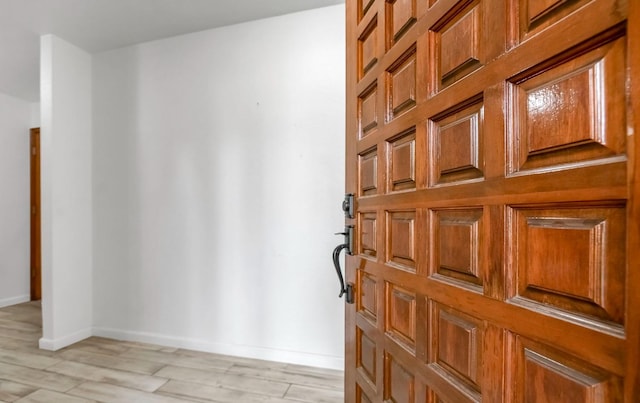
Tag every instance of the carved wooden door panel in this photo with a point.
(490, 148)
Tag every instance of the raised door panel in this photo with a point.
(401, 316)
(401, 239)
(456, 248)
(456, 350)
(368, 110)
(367, 298)
(368, 234)
(544, 374)
(573, 112)
(401, 15)
(490, 145)
(456, 143)
(401, 85)
(456, 44)
(399, 382)
(367, 356)
(569, 261)
(368, 48)
(368, 173)
(402, 162)
(363, 7)
(535, 15)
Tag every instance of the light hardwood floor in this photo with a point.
(103, 370)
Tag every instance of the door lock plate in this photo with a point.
(347, 205)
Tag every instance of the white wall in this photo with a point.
(218, 177)
(35, 114)
(66, 162)
(14, 201)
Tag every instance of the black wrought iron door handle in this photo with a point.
(345, 289)
(336, 264)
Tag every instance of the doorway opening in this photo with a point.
(36, 238)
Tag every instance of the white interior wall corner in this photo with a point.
(67, 191)
(218, 176)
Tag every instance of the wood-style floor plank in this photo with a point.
(104, 392)
(100, 345)
(18, 325)
(314, 395)
(27, 346)
(229, 381)
(47, 396)
(111, 362)
(11, 391)
(234, 360)
(289, 376)
(39, 379)
(19, 334)
(111, 371)
(218, 394)
(28, 360)
(144, 383)
(201, 362)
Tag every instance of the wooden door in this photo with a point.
(490, 146)
(36, 254)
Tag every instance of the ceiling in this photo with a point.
(99, 25)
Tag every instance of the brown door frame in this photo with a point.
(36, 240)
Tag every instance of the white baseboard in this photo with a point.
(14, 300)
(260, 353)
(62, 342)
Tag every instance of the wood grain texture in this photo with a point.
(456, 144)
(368, 173)
(47, 396)
(368, 46)
(126, 379)
(227, 380)
(36, 217)
(108, 393)
(197, 392)
(108, 361)
(632, 384)
(104, 370)
(368, 110)
(12, 391)
(312, 395)
(520, 223)
(401, 240)
(401, 315)
(401, 14)
(401, 85)
(402, 162)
